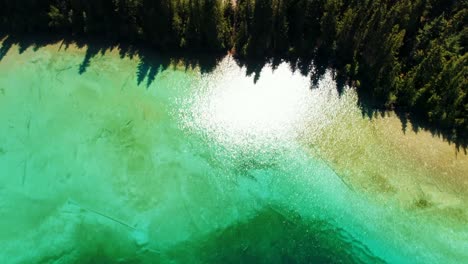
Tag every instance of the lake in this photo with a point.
(111, 158)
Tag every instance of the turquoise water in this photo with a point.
(211, 167)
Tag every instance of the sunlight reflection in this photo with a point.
(233, 108)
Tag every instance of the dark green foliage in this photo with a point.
(409, 54)
(166, 24)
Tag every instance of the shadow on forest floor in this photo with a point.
(152, 63)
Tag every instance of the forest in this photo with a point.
(407, 55)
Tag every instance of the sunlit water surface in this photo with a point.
(214, 168)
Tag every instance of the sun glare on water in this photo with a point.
(235, 109)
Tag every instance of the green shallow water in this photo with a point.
(211, 168)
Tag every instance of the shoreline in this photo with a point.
(207, 61)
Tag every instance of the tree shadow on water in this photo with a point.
(416, 123)
(90, 53)
(253, 66)
(7, 43)
(150, 66)
(152, 63)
